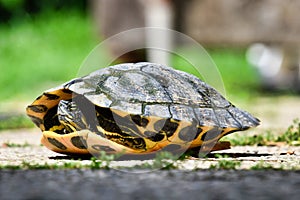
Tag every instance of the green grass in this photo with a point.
(43, 166)
(261, 165)
(163, 160)
(290, 137)
(39, 53)
(15, 145)
(239, 77)
(244, 140)
(225, 163)
(292, 134)
(101, 162)
(14, 122)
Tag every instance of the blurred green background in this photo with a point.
(43, 43)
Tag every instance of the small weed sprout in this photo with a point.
(163, 160)
(12, 145)
(14, 122)
(261, 165)
(224, 163)
(103, 160)
(292, 134)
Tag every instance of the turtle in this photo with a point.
(135, 108)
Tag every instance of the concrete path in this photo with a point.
(174, 184)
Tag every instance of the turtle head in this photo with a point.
(70, 115)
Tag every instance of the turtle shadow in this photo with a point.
(71, 157)
(153, 156)
(237, 155)
(89, 157)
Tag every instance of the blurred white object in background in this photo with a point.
(159, 14)
(278, 65)
(267, 59)
(116, 16)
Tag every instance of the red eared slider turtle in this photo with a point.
(134, 108)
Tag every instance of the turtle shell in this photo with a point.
(140, 108)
